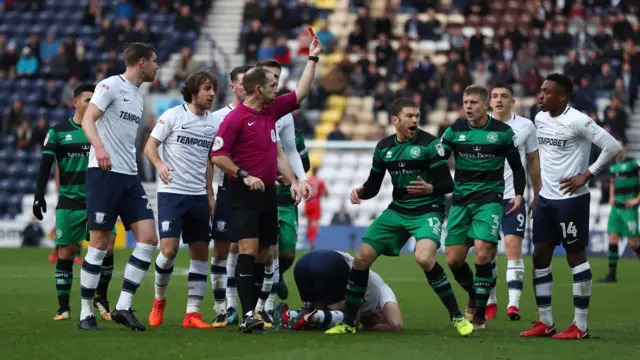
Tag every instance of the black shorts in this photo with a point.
(322, 276)
(563, 221)
(254, 214)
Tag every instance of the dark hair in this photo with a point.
(237, 71)
(401, 103)
(503, 86)
(269, 63)
(563, 81)
(253, 77)
(477, 90)
(136, 51)
(83, 88)
(193, 82)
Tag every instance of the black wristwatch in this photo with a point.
(241, 174)
(314, 58)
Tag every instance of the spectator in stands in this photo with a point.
(635, 33)
(81, 68)
(123, 10)
(621, 27)
(32, 234)
(573, 68)
(432, 28)
(431, 93)
(271, 8)
(584, 95)
(184, 21)
(326, 37)
(27, 66)
(480, 75)
(372, 77)
(455, 38)
(508, 52)
(620, 92)
(454, 97)
(357, 39)
(413, 27)
(8, 62)
(616, 119)
(460, 76)
(108, 38)
(59, 65)
(34, 43)
(126, 34)
(630, 82)
(477, 7)
(582, 40)
(266, 49)
(13, 117)
(304, 13)
(70, 50)
(336, 134)
(141, 33)
(341, 217)
(186, 65)
(50, 95)
(281, 52)
(253, 39)
(382, 99)
(602, 37)
(49, 48)
(252, 10)
(397, 66)
(606, 80)
(38, 134)
(531, 82)
(503, 75)
(476, 44)
(23, 135)
(382, 25)
(336, 81)
(92, 14)
(3, 45)
(279, 22)
(358, 81)
(384, 51)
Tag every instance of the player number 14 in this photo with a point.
(569, 229)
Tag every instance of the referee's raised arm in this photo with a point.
(304, 84)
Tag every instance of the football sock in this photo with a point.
(258, 280)
(543, 285)
(581, 294)
(613, 259)
(327, 319)
(269, 306)
(164, 269)
(232, 291)
(440, 284)
(356, 287)
(284, 264)
(197, 283)
(265, 290)
(105, 277)
(464, 277)
(515, 276)
(89, 278)
(493, 299)
(219, 282)
(64, 280)
(482, 287)
(134, 273)
(244, 277)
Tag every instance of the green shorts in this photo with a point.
(391, 230)
(71, 227)
(623, 222)
(474, 221)
(287, 228)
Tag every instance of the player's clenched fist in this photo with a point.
(103, 158)
(253, 183)
(355, 195)
(164, 173)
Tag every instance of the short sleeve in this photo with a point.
(588, 129)
(283, 105)
(226, 136)
(531, 142)
(447, 142)
(103, 96)
(509, 140)
(50, 143)
(164, 126)
(378, 165)
(436, 154)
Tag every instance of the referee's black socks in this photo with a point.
(258, 279)
(245, 281)
(356, 287)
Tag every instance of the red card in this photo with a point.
(313, 34)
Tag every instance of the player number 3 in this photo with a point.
(569, 229)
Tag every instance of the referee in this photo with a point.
(246, 149)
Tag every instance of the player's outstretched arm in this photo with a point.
(304, 84)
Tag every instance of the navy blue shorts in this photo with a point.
(516, 223)
(221, 227)
(184, 214)
(321, 276)
(111, 194)
(563, 221)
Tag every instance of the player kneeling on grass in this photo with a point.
(420, 176)
(185, 196)
(321, 277)
(68, 146)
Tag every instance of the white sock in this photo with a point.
(134, 272)
(219, 284)
(493, 299)
(267, 283)
(543, 285)
(270, 305)
(327, 319)
(164, 269)
(515, 279)
(89, 278)
(232, 291)
(197, 283)
(582, 282)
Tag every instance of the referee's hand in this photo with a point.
(253, 183)
(164, 172)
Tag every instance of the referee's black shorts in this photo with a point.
(254, 214)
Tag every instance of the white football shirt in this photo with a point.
(378, 292)
(121, 105)
(218, 116)
(564, 146)
(286, 134)
(186, 140)
(526, 142)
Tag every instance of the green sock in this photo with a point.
(105, 277)
(613, 259)
(440, 284)
(64, 280)
(482, 286)
(356, 287)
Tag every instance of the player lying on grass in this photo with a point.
(67, 145)
(321, 277)
(185, 195)
(420, 176)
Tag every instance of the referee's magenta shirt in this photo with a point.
(249, 137)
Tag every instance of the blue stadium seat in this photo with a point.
(32, 170)
(32, 98)
(4, 28)
(20, 157)
(4, 185)
(34, 158)
(31, 186)
(6, 153)
(3, 170)
(26, 17)
(45, 16)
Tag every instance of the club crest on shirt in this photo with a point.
(208, 130)
(218, 143)
(165, 225)
(492, 137)
(273, 135)
(415, 152)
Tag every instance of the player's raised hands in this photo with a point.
(164, 172)
(515, 202)
(355, 195)
(419, 187)
(103, 158)
(570, 185)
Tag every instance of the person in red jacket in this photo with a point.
(312, 208)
